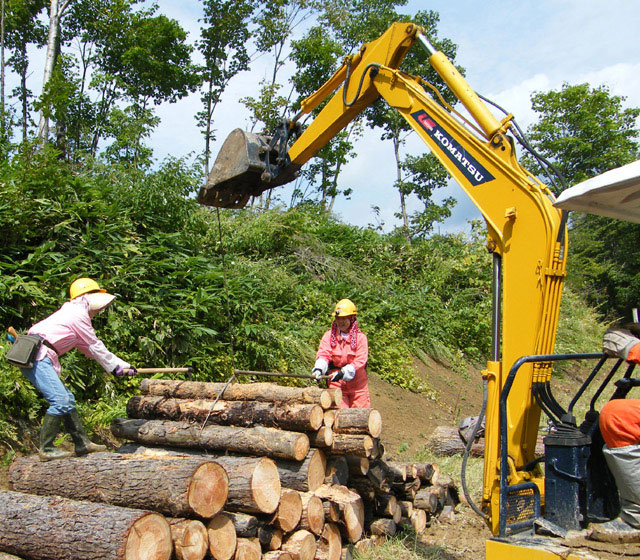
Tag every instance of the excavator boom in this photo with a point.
(526, 233)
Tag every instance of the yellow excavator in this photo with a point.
(527, 239)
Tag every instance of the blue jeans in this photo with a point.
(44, 378)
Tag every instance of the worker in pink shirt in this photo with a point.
(70, 327)
(344, 352)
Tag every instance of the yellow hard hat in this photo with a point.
(344, 308)
(84, 286)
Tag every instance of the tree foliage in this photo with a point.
(586, 131)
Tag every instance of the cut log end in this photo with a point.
(190, 539)
(330, 543)
(289, 510)
(265, 485)
(222, 537)
(317, 469)
(301, 545)
(208, 490)
(301, 447)
(248, 549)
(149, 539)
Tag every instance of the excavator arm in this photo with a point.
(526, 233)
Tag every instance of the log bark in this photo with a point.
(337, 470)
(301, 545)
(349, 444)
(276, 555)
(346, 553)
(386, 505)
(377, 451)
(380, 476)
(331, 511)
(245, 525)
(305, 476)
(364, 487)
(270, 537)
(406, 508)
(358, 466)
(297, 417)
(350, 505)
(254, 483)
(383, 526)
(248, 549)
(47, 528)
(175, 486)
(367, 421)
(402, 471)
(329, 417)
(262, 392)
(321, 438)
(312, 518)
(289, 510)
(259, 441)
(190, 539)
(427, 472)
(446, 441)
(222, 537)
(329, 545)
(428, 498)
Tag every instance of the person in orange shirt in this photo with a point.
(620, 427)
(344, 352)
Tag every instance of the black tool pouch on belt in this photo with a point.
(24, 351)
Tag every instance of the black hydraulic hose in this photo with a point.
(467, 450)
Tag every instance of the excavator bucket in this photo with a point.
(237, 173)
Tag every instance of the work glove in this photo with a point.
(119, 371)
(317, 373)
(346, 373)
(618, 343)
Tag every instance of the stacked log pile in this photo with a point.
(304, 479)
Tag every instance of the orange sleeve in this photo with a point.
(620, 422)
(634, 354)
(324, 349)
(362, 352)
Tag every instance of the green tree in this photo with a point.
(223, 44)
(585, 131)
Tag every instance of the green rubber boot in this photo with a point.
(80, 440)
(48, 432)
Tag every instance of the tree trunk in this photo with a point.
(321, 438)
(254, 484)
(190, 539)
(383, 526)
(305, 476)
(270, 537)
(222, 537)
(289, 510)
(298, 417)
(49, 528)
(406, 508)
(175, 486)
(263, 392)
(350, 505)
(301, 545)
(347, 444)
(245, 525)
(386, 505)
(337, 470)
(248, 549)
(276, 555)
(312, 517)
(358, 421)
(256, 441)
(428, 498)
(329, 546)
(358, 466)
(427, 472)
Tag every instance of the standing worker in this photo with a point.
(620, 427)
(344, 352)
(70, 327)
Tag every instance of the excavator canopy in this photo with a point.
(615, 194)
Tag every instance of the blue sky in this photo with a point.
(509, 49)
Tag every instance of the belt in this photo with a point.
(49, 345)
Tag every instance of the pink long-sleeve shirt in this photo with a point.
(70, 327)
(343, 354)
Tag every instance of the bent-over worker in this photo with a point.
(620, 427)
(70, 327)
(344, 352)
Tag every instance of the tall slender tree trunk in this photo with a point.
(55, 14)
(403, 204)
